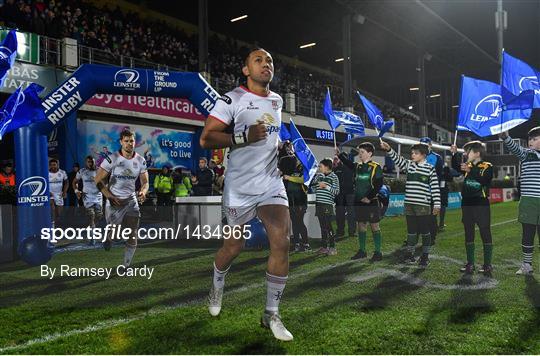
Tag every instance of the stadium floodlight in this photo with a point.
(239, 18)
(414, 89)
(410, 107)
(434, 96)
(455, 106)
(308, 45)
(339, 60)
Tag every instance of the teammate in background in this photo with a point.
(475, 203)
(101, 155)
(529, 203)
(90, 195)
(437, 162)
(58, 186)
(122, 169)
(421, 193)
(326, 186)
(368, 180)
(248, 120)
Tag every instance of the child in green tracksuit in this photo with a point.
(529, 203)
(475, 206)
(368, 180)
(326, 186)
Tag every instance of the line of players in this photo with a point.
(115, 179)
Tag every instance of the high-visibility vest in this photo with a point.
(7, 179)
(163, 184)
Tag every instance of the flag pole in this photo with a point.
(377, 131)
(335, 144)
(455, 137)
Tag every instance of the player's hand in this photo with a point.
(114, 200)
(286, 177)
(436, 211)
(385, 146)
(453, 149)
(503, 135)
(365, 200)
(257, 132)
(79, 195)
(141, 196)
(323, 185)
(465, 167)
(64, 195)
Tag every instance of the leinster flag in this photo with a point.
(328, 112)
(375, 116)
(304, 154)
(488, 109)
(518, 76)
(8, 52)
(284, 134)
(351, 123)
(21, 109)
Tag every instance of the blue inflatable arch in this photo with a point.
(31, 141)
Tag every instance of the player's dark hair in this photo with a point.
(89, 157)
(127, 132)
(327, 162)
(421, 148)
(53, 160)
(249, 51)
(368, 146)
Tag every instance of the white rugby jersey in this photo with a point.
(89, 184)
(252, 168)
(56, 181)
(123, 173)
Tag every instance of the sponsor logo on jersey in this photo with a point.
(251, 106)
(226, 99)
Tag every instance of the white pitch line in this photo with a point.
(153, 311)
(485, 283)
(160, 310)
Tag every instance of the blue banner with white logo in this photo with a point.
(518, 76)
(304, 154)
(351, 123)
(22, 108)
(375, 116)
(488, 109)
(8, 52)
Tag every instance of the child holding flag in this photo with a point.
(529, 204)
(421, 193)
(475, 203)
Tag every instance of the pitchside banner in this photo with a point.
(157, 146)
(397, 203)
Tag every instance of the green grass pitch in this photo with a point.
(331, 304)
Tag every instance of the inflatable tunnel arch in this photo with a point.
(31, 141)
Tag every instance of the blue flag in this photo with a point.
(328, 112)
(21, 109)
(518, 76)
(284, 134)
(351, 123)
(8, 52)
(375, 116)
(304, 154)
(488, 109)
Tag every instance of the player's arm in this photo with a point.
(101, 184)
(435, 192)
(141, 195)
(65, 186)
(75, 185)
(214, 135)
(346, 161)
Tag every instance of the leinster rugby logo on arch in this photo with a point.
(488, 108)
(127, 79)
(32, 191)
